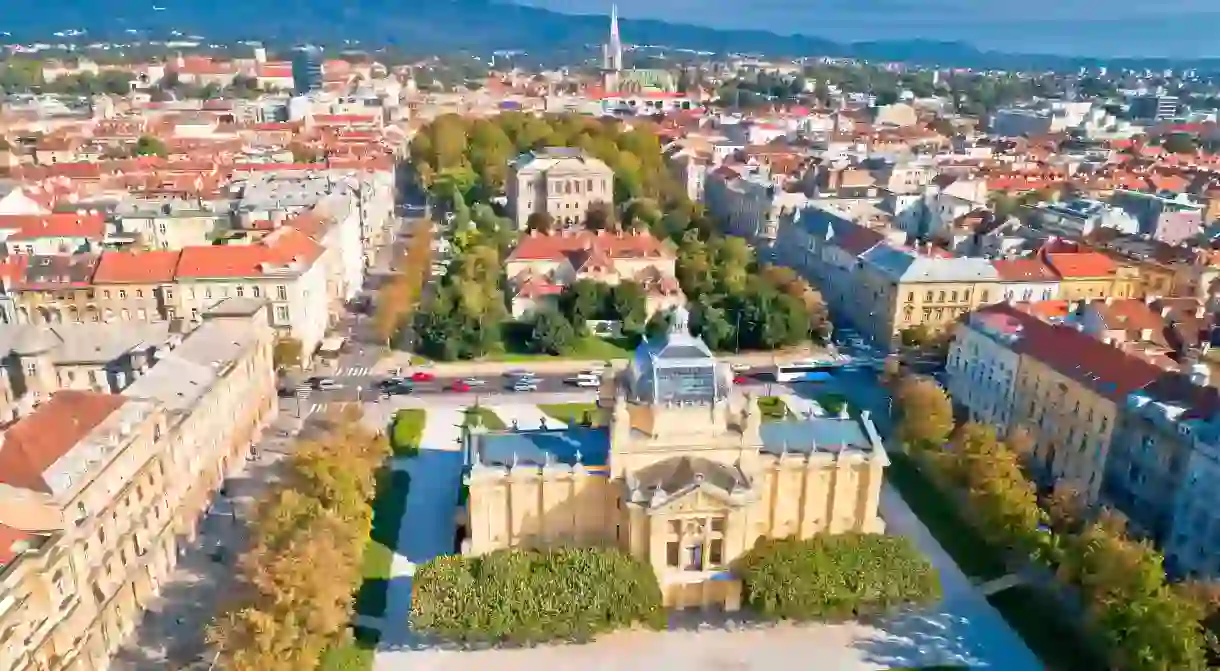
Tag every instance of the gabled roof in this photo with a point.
(1080, 265)
(1024, 270)
(283, 247)
(57, 225)
(33, 444)
(152, 267)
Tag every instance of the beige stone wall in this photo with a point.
(535, 507)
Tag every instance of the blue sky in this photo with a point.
(1173, 28)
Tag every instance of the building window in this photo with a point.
(984, 296)
(139, 293)
(255, 290)
(241, 291)
(207, 292)
(953, 296)
(715, 555)
(31, 369)
(928, 297)
(281, 313)
(671, 554)
(106, 294)
(122, 294)
(910, 296)
(281, 292)
(169, 295)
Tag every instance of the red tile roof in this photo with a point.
(1024, 270)
(1107, 370)
(34, 443)
(60, 225)
(1079, 265)
(280, 248)
(557, 246)
(154, 267)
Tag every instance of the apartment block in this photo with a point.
(99, 491)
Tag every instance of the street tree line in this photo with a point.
(293, 599)
(398, 299)
(1134, 617)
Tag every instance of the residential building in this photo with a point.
(1081, 217)
(542, 264)
(145, 224)
(750, 205)
(982, 366)
(57, 233)
(55, 288)
(1026, 280)
(100, 492)
(1071, 388)
(1154, 107)
(560, 182)
(1149, 462)
(135, 286)
(900, 289)
(1170, 218)
(1085, 274)
(680, 473)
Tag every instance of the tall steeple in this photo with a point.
(614, 49)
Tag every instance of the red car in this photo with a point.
(740, 379)
(422, 376)
(458, 385)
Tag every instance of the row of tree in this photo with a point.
(1139, 620)
(463, 319)
(399, 297)
(285, 613)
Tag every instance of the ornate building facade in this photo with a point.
(679, 471)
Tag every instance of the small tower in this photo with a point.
(612, 54)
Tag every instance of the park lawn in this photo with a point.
(773, 408)
(405, 432)
(388, 506)
(489, 418)
(566, 412)
(940, 513)
(588, 348)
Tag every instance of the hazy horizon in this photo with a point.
(1171, 28)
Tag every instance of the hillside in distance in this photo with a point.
(442, 26)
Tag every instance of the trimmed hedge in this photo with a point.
(523, 597)
(406, 431)
(835, 577)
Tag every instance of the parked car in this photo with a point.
(583, 381)
(403, 387)
(459, 385)
(740, 379)
(422, 376)
(740, 367)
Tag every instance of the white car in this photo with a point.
(583, 381)
(740, 367)
(473, 382)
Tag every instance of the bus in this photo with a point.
(812, 370)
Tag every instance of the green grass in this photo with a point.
(589, 348)
(832, 403)
(565, 412)
(405, 432)
(940, 513)
(354, 655)
(1046, 630)
(388, 507)
(489, 418)
(772, 408)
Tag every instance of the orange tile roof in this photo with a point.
(1024, 270)
(282, 247)
(34, 443)
(59, 225)
(1080, 265)
(152, 267)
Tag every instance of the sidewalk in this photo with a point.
(544, 366)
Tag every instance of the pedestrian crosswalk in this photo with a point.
(355, 371)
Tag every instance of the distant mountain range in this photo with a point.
(480, 26)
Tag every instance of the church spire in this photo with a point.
(614, 49)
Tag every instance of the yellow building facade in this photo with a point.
(680, 472)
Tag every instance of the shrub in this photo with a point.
(406, 431)
(835, 577)
(521, 597)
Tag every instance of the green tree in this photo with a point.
(148, 145)
(600, 216)
(925, 414)
(1180, 143)
(552, 333)
(629, 304)
(542, 222)
(658, 325)
(583, 300)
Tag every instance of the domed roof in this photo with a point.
(36, 340)
(678, 367)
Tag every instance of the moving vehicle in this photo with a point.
(584, 380)
(524, 385)
(521, 374)
(323, 383)
(473, 382)
(739, 367)
(422, 376)
(812, 370)
(459, 385)
(740, 379)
